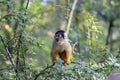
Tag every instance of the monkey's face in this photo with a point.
(60, 36)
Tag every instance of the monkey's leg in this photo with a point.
(67, 57)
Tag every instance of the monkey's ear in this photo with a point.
(65, 35)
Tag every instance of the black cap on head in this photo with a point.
(60, 31)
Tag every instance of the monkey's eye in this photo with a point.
(56, 35)
(59, 35)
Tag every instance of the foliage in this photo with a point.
(27, 29)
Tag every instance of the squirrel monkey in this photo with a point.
(61, 47)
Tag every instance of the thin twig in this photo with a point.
(68, 10)
(10, 57)
(73, 46)
(41, 72)
(62, 74)
(25, 74)
(17, 53)
(27, 4)
(71, 15)
(88, 38)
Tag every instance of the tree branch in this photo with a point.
(70, 16)
(10, 57)
(41, 72)
(27, 4)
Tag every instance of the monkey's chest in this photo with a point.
(61, 48)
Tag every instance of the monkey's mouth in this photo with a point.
(57, 39)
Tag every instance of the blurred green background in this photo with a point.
(27, 28)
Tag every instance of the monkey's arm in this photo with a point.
(54, 54)
(54, 57)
